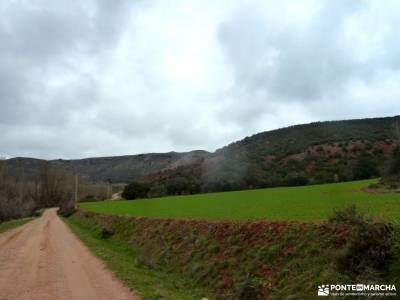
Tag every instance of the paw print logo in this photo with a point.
(323, 290)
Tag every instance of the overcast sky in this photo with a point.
(101, 78)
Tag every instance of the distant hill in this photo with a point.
(303, 154)
(297, 155)
(117, 169)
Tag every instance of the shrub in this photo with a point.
(67, 208)
(394, 168)
(88, 198)
(135, 190)
(391, 178)
(106, 232)
(365, 168)
(377, 151)
(369, 248)
(296, 180)
(348, 215)
(249, 291)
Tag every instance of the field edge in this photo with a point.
(123, 262)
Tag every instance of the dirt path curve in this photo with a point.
(45, 260)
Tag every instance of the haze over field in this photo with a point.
(99, 78)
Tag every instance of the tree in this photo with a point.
(177, 186)
(392, 172)
(296, 180)
(394, 168)
(135, 190)
(53, 186)
(395, 162)
(365, 168)
(15, 201)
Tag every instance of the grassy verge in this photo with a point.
(168, 258)
(235, 260)
(13, 224)
(122, 260)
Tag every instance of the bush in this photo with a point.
(348, 215)
(88, 198)
(391, 178)
(249, 291)
(135, 190)
(67, 208)
(370, 246)
(394, 168)
(106, 232)
(365, 168)
(296, 180)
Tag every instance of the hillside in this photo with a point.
(117, 169)
(304, 154)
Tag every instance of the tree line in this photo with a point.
(21, 196)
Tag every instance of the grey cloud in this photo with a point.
(42, 38)
(304, 65)
(87, 78)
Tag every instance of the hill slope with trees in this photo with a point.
(304, 154)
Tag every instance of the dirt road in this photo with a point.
(45, 260)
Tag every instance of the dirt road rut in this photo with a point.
(45, 260)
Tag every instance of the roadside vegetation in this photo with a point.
(242, 259)
(5, 226)
(309, 203)
(256, 244)
(124, 261)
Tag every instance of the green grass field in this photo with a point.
(308, 203)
